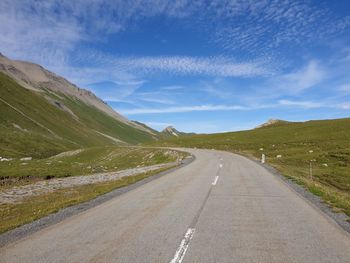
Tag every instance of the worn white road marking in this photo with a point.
(216, 180)
(181, 251)
(221, 165)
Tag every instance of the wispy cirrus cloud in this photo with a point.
(29, 31)
(302, 79)
(50, 30)
(158, 124)
(213, 66)
(156, 100)
(330, 104)
(345, 89)
(47, 32)
(172, 88)
(180, 109)
(218, 66)
(301, 104)
(198, 108)
(344, 106)
(250, 25)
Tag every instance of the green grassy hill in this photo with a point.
(327, 142)
(41, 124)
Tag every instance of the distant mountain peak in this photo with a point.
(272, 122)
(170, 130)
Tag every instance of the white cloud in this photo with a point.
(277, 105)
(301, 104)
(345, 89)
(172, 87)
(218, 88)
(182, 109)
(343, 106)
(312, 75)
(214, 66)
(47, 32)
(158, 125)
(156, 100)
(116, 91)
(311, 104)
(220, 66)
(261, 26)
(304, 78)
(32, 30)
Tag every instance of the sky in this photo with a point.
(201, 66)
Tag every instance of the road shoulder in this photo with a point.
(341, 219)
(44, 222)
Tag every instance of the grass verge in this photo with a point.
(33, 208)
(290, 148)
(83, 162)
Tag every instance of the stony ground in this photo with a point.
(18, 193)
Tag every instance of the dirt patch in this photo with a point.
(67, 154)
(18, 193)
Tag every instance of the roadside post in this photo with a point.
(262, 158)
(310, 169)
(310, 166)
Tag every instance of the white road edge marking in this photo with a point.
(181, 251)
(216, 180)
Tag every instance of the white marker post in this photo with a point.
(310, 171)
(263, 158)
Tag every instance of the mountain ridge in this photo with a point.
(38, 119)
(36, 77)
(171, 131)
(272, 122)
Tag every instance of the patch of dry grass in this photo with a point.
(33, 208)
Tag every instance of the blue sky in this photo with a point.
(201, 66)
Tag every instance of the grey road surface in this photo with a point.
(220, 208)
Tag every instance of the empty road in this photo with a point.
(220, 208)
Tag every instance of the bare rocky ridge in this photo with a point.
(37, 78)
(271, 122)
(170, 130)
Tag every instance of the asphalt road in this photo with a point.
(220, 208)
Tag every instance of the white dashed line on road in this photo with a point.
(181, 251)
(216, 180)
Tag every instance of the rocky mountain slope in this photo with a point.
(170, 131)
(37, 78)
(43, 114)
(273, 122)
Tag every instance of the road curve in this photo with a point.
(220, 208)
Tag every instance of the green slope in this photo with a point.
(326, 141)
(31, 125)
(157, 133)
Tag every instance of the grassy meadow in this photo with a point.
(16, 214)
(325, 143)
(42, 124)
(79, 162)
(82, 162)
